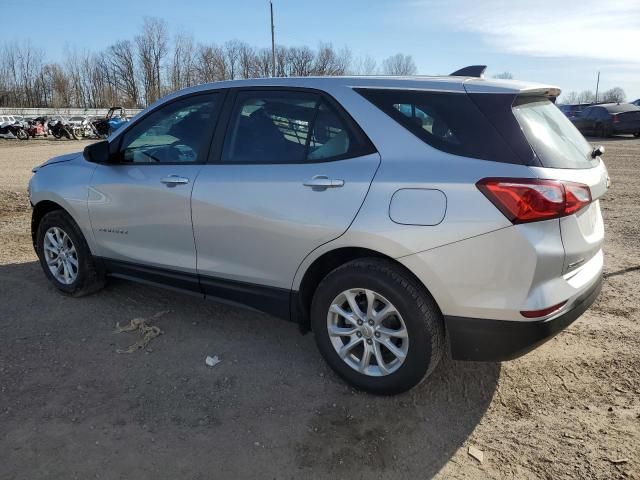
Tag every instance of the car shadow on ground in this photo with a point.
(164, 412)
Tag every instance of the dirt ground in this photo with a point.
(71, 407)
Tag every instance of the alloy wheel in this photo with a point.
(61, 255)
(367, 332)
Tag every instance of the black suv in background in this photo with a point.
(608, 119)
(573, 110)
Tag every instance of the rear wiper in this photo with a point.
(597, 151)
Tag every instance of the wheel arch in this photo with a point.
(40, 209)
(321, 267)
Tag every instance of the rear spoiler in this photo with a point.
(470, 71)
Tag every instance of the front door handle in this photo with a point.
(172, 180)
(322, 182)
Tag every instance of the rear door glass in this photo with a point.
(557, 143)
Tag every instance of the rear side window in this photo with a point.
(279, 127)
(557, 143)
(450, 122)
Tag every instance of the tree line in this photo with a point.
(614, 95)
(138, 71)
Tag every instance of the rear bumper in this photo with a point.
(480, 339)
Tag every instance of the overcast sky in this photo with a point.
(561, 42)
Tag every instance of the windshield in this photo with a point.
(557, 143)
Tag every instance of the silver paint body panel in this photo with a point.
(260, 224)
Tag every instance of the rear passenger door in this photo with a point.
(288, 173)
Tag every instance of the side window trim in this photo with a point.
(115, 146)
(224, 121)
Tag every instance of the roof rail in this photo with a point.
(470, 71)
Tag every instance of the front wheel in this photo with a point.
(376, 326)
(65, 256)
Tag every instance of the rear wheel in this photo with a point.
(376, 326)
(65, 256)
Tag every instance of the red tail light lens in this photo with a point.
(524, 200)
(615, 119)
(543, 312)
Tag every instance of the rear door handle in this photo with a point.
(322, 181)
(174, 180)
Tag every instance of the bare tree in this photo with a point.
(263, 63)
(586, 96)
(330, 62)
(364, 66)
(615, 95)
(247, 61)
(122, 61)
(569, 98)
(504, 76)
(137, 72)
(300, 61)
(399, 64)
(152, 46)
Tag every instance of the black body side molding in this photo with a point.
(272, 300)
(470, 71)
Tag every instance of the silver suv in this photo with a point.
(396, 218)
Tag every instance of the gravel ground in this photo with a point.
(70, 407)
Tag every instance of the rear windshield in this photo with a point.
(557, 143)
(450, 122)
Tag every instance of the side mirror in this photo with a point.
(597, 151)
(97, 152)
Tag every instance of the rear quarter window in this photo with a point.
(554, 139)
(450, 122)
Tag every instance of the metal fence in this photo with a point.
(66, 112)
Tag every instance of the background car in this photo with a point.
(636, 102)
(573, 110)
(609, 119)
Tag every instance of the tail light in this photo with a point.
(615, 119)
(524, 200)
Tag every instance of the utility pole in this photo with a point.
(273, 44)
(597, 85)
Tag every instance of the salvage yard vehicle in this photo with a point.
(38, 127)
(12, 128)
(606, 119)
(396, 218)
(115, 118)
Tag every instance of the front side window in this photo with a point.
(175, 133)
(274, 127)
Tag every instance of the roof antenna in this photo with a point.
(470, 71)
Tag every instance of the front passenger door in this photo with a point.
(291, 175)
(140, 203)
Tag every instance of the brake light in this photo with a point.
(543, 312)
(615, 119)
(524, 200)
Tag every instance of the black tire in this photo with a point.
(419, 311)
(22, 134)
(637, 134)
(90, 278)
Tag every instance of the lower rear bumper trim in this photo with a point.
(481, 339)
